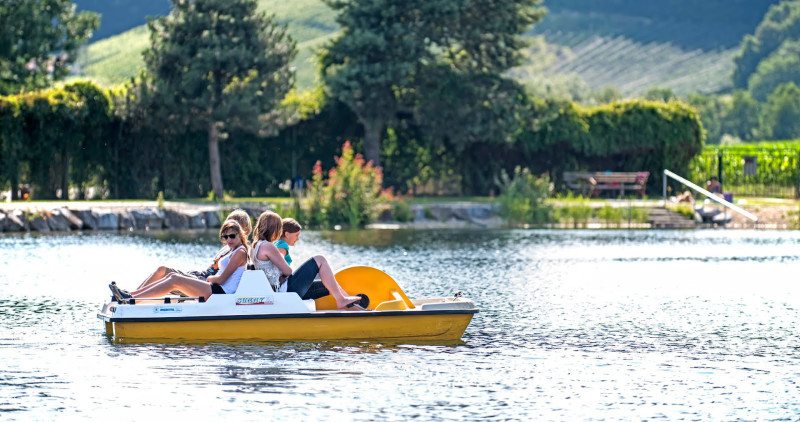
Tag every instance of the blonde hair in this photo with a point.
(290, 225)
(232, 224)
(240, 216)
(268, 227)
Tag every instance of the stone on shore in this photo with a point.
(197, 220)
(126, 221)
(175, 220)
(17, 222)
(148, 218)
(88, 219)
(56, 221)
(212, 219)
(75, 223)
(105, 220)
(38, 223)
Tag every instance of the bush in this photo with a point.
(522, 198)
(402, 211)
(349, 196)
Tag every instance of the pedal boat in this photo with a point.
(257, 313)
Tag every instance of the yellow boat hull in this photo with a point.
(388, 326)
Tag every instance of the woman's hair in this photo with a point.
(290, 225)
(240, 216)
(268, 227)
(232, 224)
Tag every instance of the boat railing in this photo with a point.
(722, 201)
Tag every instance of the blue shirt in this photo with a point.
(281, 244)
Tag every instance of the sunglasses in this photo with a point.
(229, 236)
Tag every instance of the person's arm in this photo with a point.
(269, 251)
(239, 259)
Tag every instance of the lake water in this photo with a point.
(572, 325)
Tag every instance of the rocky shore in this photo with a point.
(54, 217)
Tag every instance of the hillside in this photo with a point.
(629, 45)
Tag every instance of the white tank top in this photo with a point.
(232, 283)
(272, 272)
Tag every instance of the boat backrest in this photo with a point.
(254, 282)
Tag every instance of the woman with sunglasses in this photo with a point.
(266, 257)
(225, 281)
(240, 216)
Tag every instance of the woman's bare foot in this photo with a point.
(346, 301)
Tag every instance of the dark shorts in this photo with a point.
(216, 289)
(302, 281)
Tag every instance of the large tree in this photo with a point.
(218, 65)
(38, 41)
(417, 57)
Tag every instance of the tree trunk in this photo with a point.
(372, 141)
(15, 184)
(213, 160)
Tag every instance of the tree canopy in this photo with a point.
(219, 65)
(780, 24)
(397, 56)
(39, 40)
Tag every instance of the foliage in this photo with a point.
(401, 211)
(219, 65)
(777, 168)
(781, 23)
(38, 41)
(620, 136)
(778, 68)
(393, 55)
(55, 138)
(349, 196)
(522, 197)
(781, 117)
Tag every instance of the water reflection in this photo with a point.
(573, 325)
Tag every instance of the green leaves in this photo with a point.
(38, 41)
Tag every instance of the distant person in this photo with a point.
(225, 281)
(713, 185)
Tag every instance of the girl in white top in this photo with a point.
(231, 267)
(265, 256)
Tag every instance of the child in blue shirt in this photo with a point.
(290, 236)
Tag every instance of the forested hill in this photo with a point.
(629, 45)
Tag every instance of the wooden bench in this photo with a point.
(592, 183)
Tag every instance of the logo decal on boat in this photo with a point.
(160, 309)
(260, 300)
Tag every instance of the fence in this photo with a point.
(763, 169)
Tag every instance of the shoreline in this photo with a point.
(66, 216)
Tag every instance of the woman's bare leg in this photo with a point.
(158, 274)
(329, 281)
(190, 286)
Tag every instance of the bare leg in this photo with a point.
(190, 286)
(158, 274)
(329, 281)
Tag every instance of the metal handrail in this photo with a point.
(750, 216)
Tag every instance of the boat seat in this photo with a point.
(254, 282)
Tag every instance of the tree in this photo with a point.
(38, 41)
(780, 67)
(396, 56)
(781, 23)
(781, 119)
(220, 65)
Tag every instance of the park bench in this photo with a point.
(592, 183)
